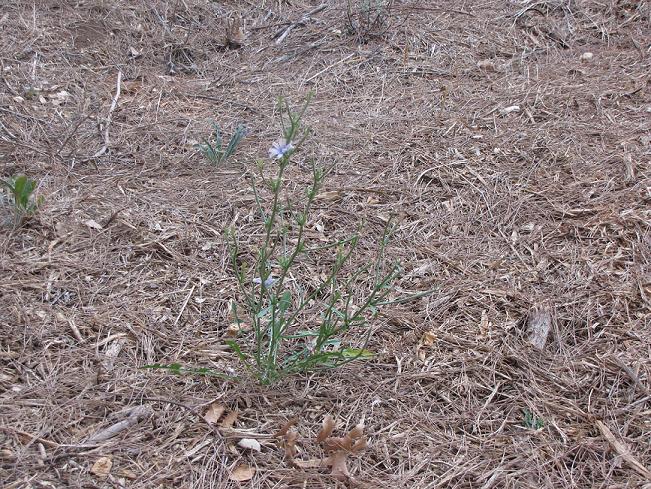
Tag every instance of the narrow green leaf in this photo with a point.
(358, 353)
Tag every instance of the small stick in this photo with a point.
(631, 374)
(72, 133)
(11, 135)
(185, 303)
(134, 417)
(283, 33)
(330, 67)
(623, 450)
(109, 118)
(108, 339)
(75, 331)
(33, 438)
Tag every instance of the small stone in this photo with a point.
(508, 110)
(486, 65)
(250, 444)
(586, 57)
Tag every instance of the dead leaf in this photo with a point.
(111, 354)
(331, 196)
(93, 224)
(510, 109)
(587, 56)
(372, 200)
(334, 444)
(234, 32)
(486, 65)
(102, 467)
(234, 330)
(285, 428)
(250, 444)
(356, 432)
(7, 454)
(359, 445)
(339, 467)
(229, 420)
(428, 339)
(242, 473)
(629, 168)
(327, 429)
(340, 448)
(484, 324)
(214, 412)
(539, 324)
(289, 444)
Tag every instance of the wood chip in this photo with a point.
(539, 324)
(102, 467)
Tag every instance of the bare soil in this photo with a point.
(511, 140)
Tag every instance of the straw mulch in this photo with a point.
(509, 139)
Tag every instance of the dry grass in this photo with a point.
(504, 214)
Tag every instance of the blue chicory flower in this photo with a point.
(280, 149)
(267, 283)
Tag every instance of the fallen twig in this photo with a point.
(343, 60)
(32, 438)
(284, 32)
(109, 118)
(135, 415)
(623, 450)
(185, 304)
(631, 374)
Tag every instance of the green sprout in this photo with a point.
(21, 190)
(529, 420)
(214, 150)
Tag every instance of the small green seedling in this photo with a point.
(178, 369)
(214, 150)
(530, 420)
(21, 190)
